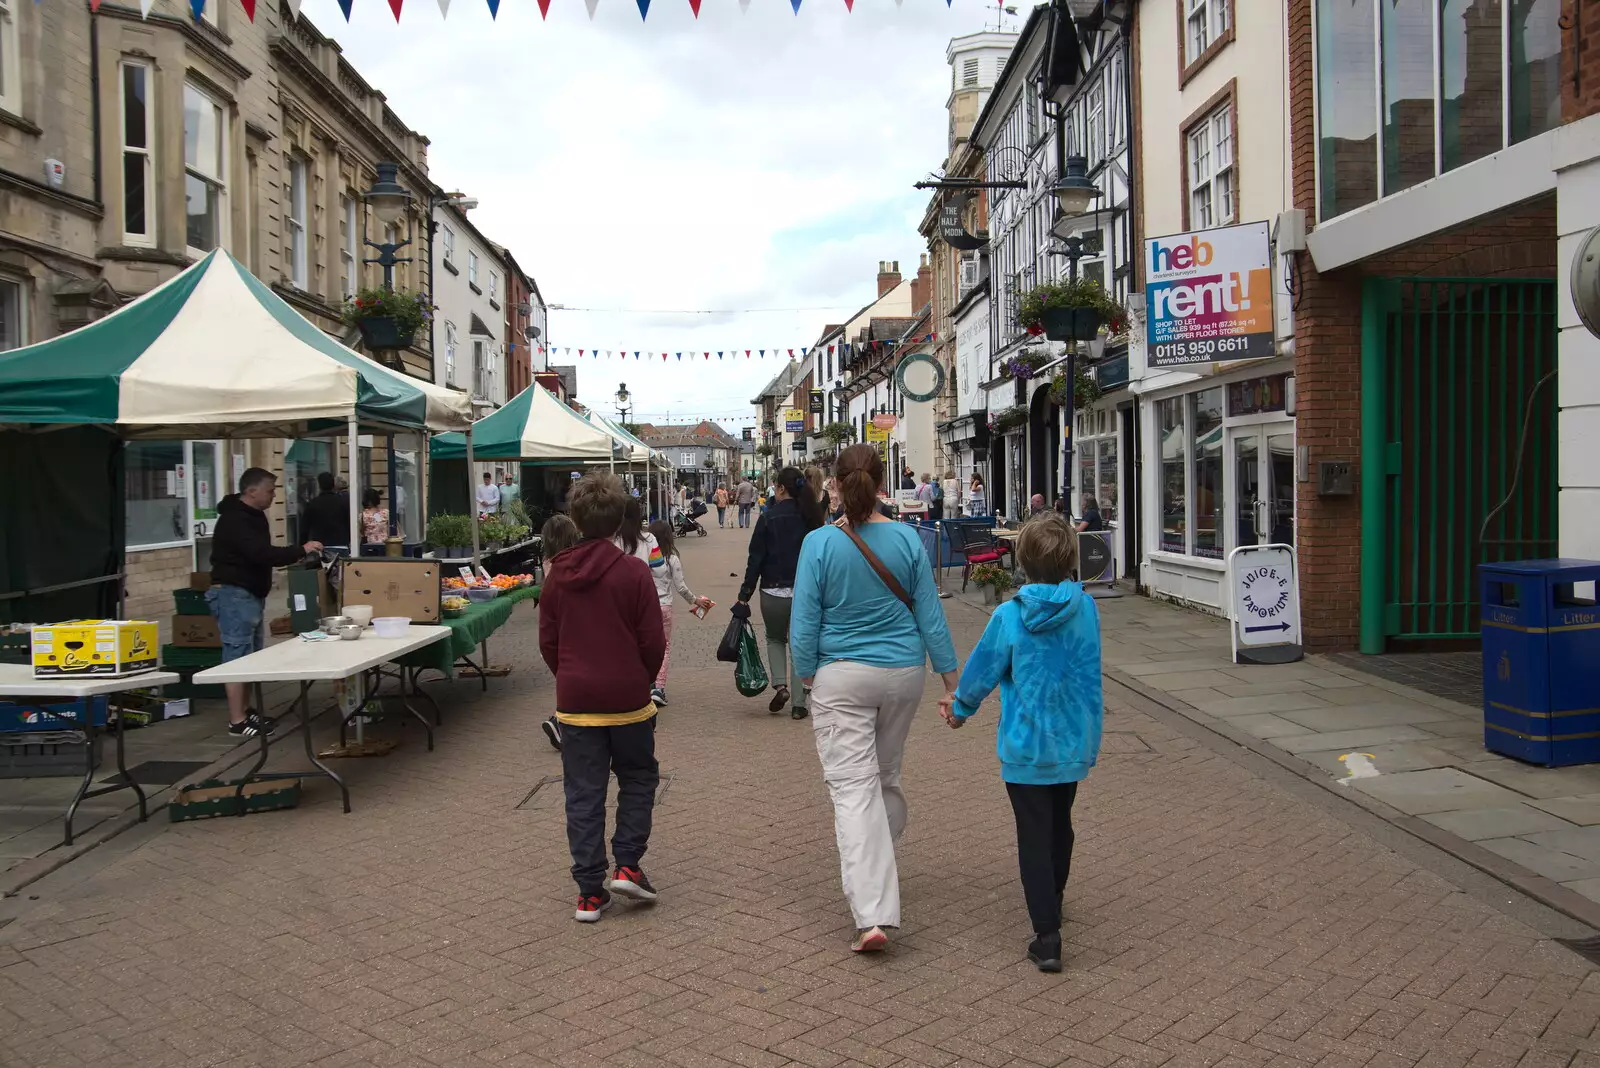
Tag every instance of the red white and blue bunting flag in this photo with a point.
(198, 7)
(798, 353)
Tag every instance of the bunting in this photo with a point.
(197, 6)
(345, 7)
(801, 352)
(494, 8)
(248, 5)
(394, 5)
(294, 8)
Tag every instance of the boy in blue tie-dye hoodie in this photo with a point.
(1042, 649)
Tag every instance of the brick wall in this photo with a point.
(152, 576)
(1580, 53)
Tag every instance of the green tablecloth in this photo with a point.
(467, 632)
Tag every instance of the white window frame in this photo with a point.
(493, 289)
(296, 216)
(349, 260)
(1204, 22)
(1210, 163)
(146, 151)
(450, 354)
(472, 268)
(10, 59)
(447, 238)
(220, 180)
(14, 289)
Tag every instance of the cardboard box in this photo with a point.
(199, 580)
(196, 632)
(96, 647)
(396, 587)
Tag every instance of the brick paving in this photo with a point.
(1216, 918)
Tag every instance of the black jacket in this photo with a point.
(326, 518)
(242, 553)
(774, 549)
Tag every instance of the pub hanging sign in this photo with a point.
(953, 225)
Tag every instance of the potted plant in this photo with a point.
(493, 533)
(993, 579)
(387, 318)
(1024, 365)
(1008, 419)
(1086, 393)
(765, 449)
(1071, 311)
(839, 433)
(451, 535)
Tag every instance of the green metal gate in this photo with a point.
(1459, 417)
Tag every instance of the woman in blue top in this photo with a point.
(866, 619)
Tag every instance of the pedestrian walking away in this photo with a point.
(669, 580)
(928, 494)
(325, 518)
(600, 634)
(242, 561)
(1042, 649)
(558, 534)
(720, 499)
(774, 556)
(866, 620)
(745, 497)
(950, 495)
(374, 518)
(976, 502)
(633, 539)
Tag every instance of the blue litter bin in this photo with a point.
(1541, 660)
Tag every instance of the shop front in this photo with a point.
(1222, 455)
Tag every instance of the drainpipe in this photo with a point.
(94, 96)
(433, 351)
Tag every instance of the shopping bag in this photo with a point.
(750, 676)
(728, 648)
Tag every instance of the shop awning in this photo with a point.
(630, 448)
(214, 353)
(533, 427)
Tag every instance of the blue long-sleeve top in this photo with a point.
(1042, 648)
(843, 611)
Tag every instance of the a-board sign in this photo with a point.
(1264, 603)
(1096, 562)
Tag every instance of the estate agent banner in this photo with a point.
(1208, 296)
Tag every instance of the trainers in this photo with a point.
(1045, 952)
(590, 906)
(552, 731)
(798, 712)
(631, 884)
(252, 725)
(659, 697)
(871, 940)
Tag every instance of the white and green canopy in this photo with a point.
(214, 353)
(533, 427)
(630, 448)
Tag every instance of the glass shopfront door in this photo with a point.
(1261, 491)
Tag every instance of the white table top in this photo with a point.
(16, 680)
(300, 661)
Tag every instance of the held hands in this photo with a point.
(947, 709)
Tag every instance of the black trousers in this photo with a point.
(588, 757)
(1044, 847)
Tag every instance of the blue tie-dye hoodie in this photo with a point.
(1042, 648)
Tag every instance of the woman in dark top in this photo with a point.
(793, 512)
(1091, 516)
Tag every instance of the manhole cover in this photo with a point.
(159, 772)
(547, 793)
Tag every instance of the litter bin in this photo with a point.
(1541, 660)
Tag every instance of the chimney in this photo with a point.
(922, 285)
(888, 276)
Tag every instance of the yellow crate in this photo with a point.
(95, 647)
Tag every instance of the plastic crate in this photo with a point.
(191, 602)
(53, 753)
(16, 648)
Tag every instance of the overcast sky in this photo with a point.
(738, 161)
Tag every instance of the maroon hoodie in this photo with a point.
(600, 629)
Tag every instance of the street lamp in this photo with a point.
(390, 202)
(1074, 189)
(624, 409)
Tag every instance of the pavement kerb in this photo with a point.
(13, 881)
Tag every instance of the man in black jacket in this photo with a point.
(326, 517)
(242, 560)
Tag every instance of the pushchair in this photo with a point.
(686, 523)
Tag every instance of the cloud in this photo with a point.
(730, 162)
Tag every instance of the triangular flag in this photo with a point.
(144, 7)
(694, 5)
(248, 5)
(802, 352)
(644, 9)
(344, 5)
(494, 8)
(763, 353)
(680, 355)
(849, 5)
(747, 354)
(636, 355)
(744, 7)
(707, 355)
(199, 9)
(719, 355)
(591, 5)
(830, 350)
(663, 355)
(444, 8)
(796, 4)
(933, 336)
(580, 352)
(394, 5)
(94, 5)
(791, 354)
(544, 9)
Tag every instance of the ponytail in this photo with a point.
(803, 494)
(860, 475)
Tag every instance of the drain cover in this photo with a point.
(547, 793)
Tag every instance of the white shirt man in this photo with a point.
(489, 496)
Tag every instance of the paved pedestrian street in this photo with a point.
(1222, 911)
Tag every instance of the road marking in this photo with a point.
(1359, 766)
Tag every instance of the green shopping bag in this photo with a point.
(750, 675)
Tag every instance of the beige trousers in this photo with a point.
(861, 716)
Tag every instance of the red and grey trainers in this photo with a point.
(590, 906)
(631, 884)
(870, 940)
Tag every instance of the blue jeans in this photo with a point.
(744, 514)
(239, 619)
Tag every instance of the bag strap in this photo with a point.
(877, 565)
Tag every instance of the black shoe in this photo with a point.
(253, 725)
(590, 906)
(799, 712)
(631, 884)
(552, 731)
(1045, 952)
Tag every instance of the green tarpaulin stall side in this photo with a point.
(211, 353)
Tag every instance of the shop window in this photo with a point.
(1107, 482)
(157, 506)
(138, 186)
(303, 460)
(205, 159)
(1173, 435)
(1205, 428)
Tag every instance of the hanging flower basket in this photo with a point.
(387, 319)
(1008, 419)
(379, 332)
(1024, 365)
(1071, 311)
(1086, 393)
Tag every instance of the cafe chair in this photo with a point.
(977, 547)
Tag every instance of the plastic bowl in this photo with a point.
(479, 594)
(391, 626)
(361, 613)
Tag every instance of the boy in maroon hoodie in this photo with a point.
(600, 631)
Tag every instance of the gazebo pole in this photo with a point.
(355, 489)
(472, 509)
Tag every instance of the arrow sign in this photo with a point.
(1275, 626)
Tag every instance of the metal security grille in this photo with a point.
(1471, 429)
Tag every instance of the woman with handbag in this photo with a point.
(866, 620)
(774, 554)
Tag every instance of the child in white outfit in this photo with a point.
(669, 580)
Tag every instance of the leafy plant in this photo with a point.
(516, 532)
(492, 530)
(1008, 418)
(765, 449)
(1086, 393)
(992, 575)
(710, 464)
(839, 433)
(1024, 365)
(408, 310)
(519, 513)
(1084, 293)
(450, 531)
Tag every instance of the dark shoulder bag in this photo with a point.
(877, 565)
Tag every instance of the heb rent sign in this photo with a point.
(1208, 296)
